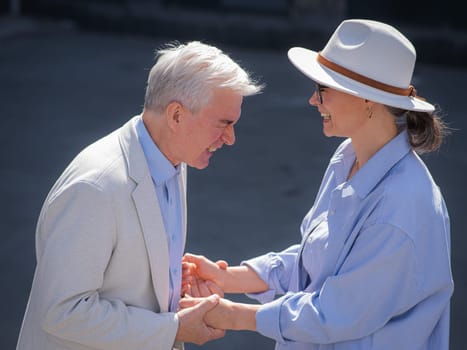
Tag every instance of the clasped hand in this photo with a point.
(202, 278)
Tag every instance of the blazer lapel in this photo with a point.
(147, 206)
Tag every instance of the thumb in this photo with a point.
(222, 264)
(188, 257)
(208, 303)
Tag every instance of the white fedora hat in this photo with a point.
(368, 59)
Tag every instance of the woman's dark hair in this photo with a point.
(426, 130)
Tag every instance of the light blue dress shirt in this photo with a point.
(373, 268)
(166, 181)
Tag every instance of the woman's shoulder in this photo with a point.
(410, 188)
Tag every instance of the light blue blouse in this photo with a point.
(373, 268)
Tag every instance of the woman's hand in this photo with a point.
(201, 288)
(201, 277)
(226, 315)
(229, 279)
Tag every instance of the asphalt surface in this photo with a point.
(62, 88)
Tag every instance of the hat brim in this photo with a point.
(305, 60)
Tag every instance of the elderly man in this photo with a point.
(111, 233)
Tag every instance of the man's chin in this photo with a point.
(201, 162)
(199, 165)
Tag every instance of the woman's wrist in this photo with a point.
(221, 277)
(245, 316)
(241, 279)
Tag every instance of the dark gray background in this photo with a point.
(62, 88)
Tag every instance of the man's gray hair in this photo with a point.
(189, 73)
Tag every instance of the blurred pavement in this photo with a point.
(62, 88)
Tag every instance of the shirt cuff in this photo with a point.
(268, 320)
(263, 266)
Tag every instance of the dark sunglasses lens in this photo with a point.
(318, 91)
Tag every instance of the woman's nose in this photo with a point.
(314, 99)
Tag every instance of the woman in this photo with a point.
(373, 268)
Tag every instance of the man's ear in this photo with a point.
(174, 113)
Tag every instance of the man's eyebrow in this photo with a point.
(227, 121)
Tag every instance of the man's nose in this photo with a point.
(228, 137)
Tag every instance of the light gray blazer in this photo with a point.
(102, 274)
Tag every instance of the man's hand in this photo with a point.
(192, 327)
(217, 317)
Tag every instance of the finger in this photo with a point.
(215, 289)
(203, 288)
(188, 265)
(191, 258)
(216, 333)
(208, 303)
(188, 302)
(188, 270)
(195, 290)
(222, 264)
(187, 277)
(186, 289)
(203, 305)
(187, 280)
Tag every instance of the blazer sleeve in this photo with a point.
(76, 237)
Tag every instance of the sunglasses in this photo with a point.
(319, 89)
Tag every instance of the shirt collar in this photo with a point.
(160, 167)
(377, 166)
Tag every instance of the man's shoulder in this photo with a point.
(101, 163)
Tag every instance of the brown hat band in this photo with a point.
(410, 91)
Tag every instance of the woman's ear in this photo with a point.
(369, 102)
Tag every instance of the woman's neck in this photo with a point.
(378, 132)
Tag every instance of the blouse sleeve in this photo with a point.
(377, 281)
(275, 269)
